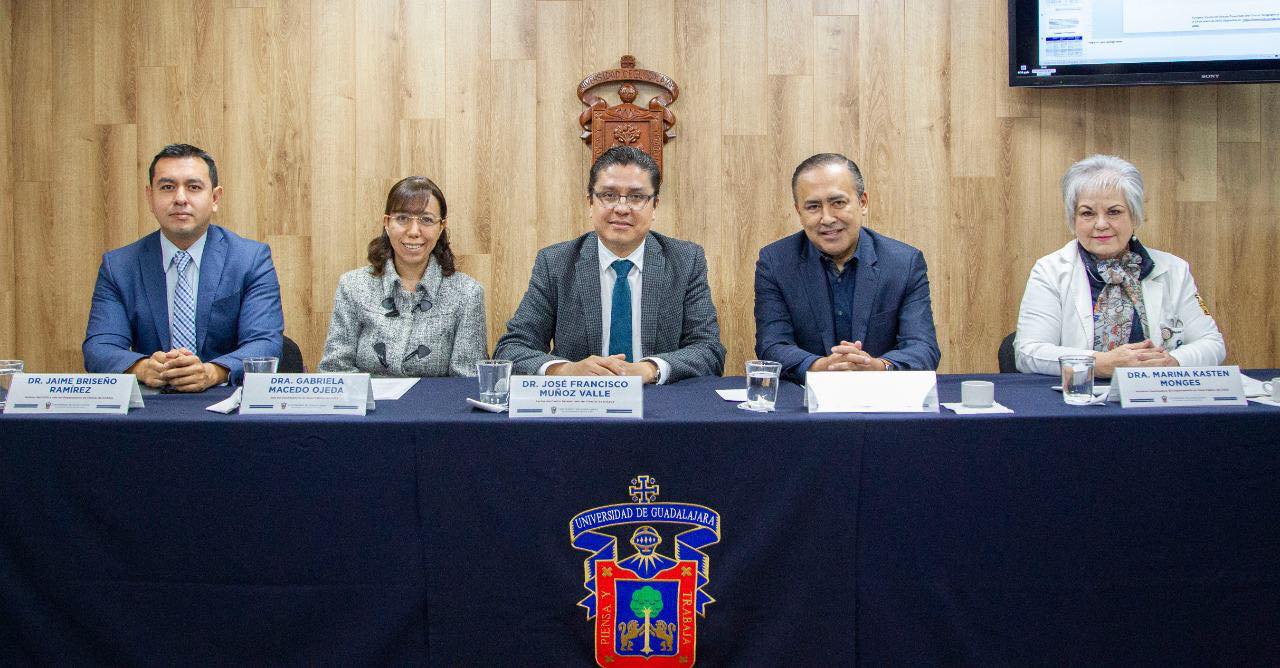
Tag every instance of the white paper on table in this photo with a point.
(733, 395)
(391, 389)
(227, 406)
(1253, 387)
(960, 409)
(1265, 401)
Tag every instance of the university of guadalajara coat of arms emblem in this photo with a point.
(646, 604)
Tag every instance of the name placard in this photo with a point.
(73, 393)
(890, 392)
(1142, 387)
(306, 393)
(577, 396)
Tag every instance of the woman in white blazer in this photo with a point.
(1107, 295)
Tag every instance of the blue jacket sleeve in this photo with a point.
(775, 330)
(108, 339)
(261, 323)
(917, 343)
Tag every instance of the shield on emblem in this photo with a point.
(646, 621)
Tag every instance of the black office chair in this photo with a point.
(291, 358)
(1005, 355)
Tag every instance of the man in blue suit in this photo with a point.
(181, 307)
(838, 296)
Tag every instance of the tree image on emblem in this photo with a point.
(646, 603)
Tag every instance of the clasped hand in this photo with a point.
(1143, 353)
(613, 365)
(848, 357)
(180, 369)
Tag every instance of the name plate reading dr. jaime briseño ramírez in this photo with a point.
(73, 393)
(577, 396)
(1145, 387)
(306, 393)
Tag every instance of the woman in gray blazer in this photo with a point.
(409, 313)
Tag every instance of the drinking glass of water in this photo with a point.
(1077, 379)
(762, 385)
(7, 369)
(495, 381)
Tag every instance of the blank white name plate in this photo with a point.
(73, 393)
(577, 396)
(888, 392)
(1179, 386)
(306, 393)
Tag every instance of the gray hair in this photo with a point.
(1102, 172)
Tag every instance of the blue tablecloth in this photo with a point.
(427, 532)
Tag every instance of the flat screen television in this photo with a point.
(1132, 42)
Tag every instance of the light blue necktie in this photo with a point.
(183, 327)
(620, 316)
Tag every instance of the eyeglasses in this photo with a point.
(633, 200)
(402, 220)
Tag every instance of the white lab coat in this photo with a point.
(1056, 317)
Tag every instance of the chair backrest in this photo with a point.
(1005, 355)
(291, 358)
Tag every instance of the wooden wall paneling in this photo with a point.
(882, 31)
(1239, 113)
(38, 336)
(1062, 143)
(789, 27)
(377, 58)
(1010, 102)
(514, 202)
(422, 92)
(790, 141)
(652, 40)
(1269, 135)
(75, 142)
(975, 78)
(835, 7)
(292, 257)
(1246, 256)
(8, 275)
(339, 232)
(114, 61)
(604, 38)
(32, 86)
(1195, 112)
(511, 29)
(1107, 121)
(927, 130)
(122, 187)
(467, 181)
(283, 204)
(694, 200)
(555, 210)
(969, 300)
(1152, 144)
(201, 73)
(738, 246)
(246, 147)
(835, 86)
(743, 67)
(1029, 225)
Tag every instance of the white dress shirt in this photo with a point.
(167, 251)
(607, 281)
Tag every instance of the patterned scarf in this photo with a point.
(1117, 301)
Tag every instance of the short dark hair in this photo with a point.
(822, 160)
(625, 155)
(183, 151)
(413, 194)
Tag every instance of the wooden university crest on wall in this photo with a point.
(628, 124)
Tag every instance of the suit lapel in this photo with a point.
(211, 264)
(151, 268)
(866, 285)
(1082, 297)
(587, 289)
(813, 280)
(655, 288)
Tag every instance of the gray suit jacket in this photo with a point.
(562, 304)
(438, 330)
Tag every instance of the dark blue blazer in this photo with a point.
(892, 314)
(237, 309)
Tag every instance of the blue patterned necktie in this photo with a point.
(620, 316)
(183, 326)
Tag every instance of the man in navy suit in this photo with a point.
(182, 306)
(838, 296)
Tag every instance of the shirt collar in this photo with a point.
(168, 250)
(428, 284)
(607, 258)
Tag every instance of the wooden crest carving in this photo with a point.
(628, 124)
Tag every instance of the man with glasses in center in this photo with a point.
(620, 300)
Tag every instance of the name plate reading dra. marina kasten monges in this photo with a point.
(577, 396)
(306, 394)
